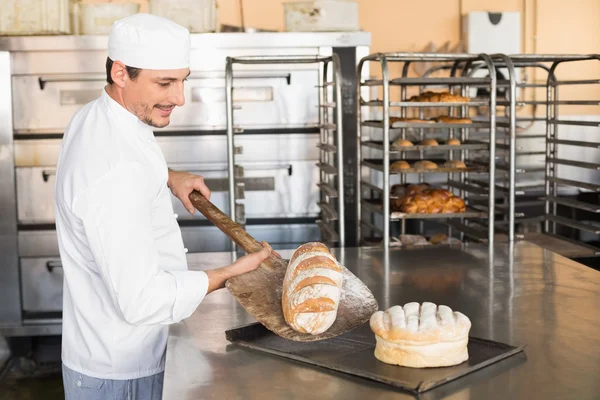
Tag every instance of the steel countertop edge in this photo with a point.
(521, 295)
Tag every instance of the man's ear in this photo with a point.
(118, 73)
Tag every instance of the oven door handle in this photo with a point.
(47, 173)
(70, 78)
(51, 265)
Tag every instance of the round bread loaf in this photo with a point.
(421, 335)
(425, 164)
(453, 142)
(311, 289)
(428, 142)
(399, 165)
(402, 143)
(454, 164)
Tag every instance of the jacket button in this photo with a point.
(79, 383)
(175, 216)
(185, 250)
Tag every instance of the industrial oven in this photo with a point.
(44, 80)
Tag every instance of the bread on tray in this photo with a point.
(421, 335)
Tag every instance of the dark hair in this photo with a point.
(131, 71)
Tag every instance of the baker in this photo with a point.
(125, 272)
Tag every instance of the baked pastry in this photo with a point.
(454, 164)
(428, 201)
(447, 97)
(399, 165)
(421, 335)
(453, 142)
(402, 143)
(311, 289)
(425, 164)
(442, 238)
(439, 97)
(428, 142)
(438, 238)
(454, 205)
(453, 120)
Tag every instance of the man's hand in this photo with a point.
(183, 183)
(218, 277)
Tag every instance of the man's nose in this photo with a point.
(177, 96)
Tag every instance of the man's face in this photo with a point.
(153, 95)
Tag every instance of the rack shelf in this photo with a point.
(378, 166)
(425, 125)
(398, 216)
(468, 145)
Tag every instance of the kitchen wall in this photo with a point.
(548, 26)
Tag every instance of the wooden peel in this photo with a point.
(259, 291)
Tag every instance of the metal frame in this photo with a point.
(332, 221)
(552, 196)
(459, 61)
(10, 306)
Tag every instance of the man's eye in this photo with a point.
(165, 84)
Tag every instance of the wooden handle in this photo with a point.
(224, 223)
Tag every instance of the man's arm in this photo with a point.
(117, 218)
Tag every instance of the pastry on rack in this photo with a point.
(402, 143)
(399, 192)
(438, 97)
(454, 205)
(445, 119)
(429, 201)
(399, 165)
(453, 142)
(442, 238)
(428, 142)
(421, 335)
(452, 98)
(454, 164)
(425, 164)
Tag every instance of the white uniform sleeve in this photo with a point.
(117, 218)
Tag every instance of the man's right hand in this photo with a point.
(218, 277)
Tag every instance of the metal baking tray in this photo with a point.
(353, 354)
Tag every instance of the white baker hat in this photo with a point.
(149, 42)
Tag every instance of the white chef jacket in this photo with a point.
(125, 268)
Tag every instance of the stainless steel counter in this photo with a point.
(526, 296)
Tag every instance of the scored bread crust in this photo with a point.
(421, 335)
(311, 289)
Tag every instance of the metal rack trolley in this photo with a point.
(563, 226)
(331, 180)
(461, 63)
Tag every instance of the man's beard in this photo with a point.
(144, 113)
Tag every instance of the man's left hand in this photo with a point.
(183, 183)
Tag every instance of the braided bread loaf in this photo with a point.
(311, 289)
(423, 200)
